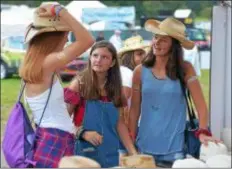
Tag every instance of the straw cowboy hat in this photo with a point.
(78, 162)
(170, 27)
(138, 161)
(131, 44)
(44, 24)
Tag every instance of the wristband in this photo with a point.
(53, 10)
(132, 135)
(202, 131)
(57, 10)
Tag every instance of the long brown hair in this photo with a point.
(127, 60)
(39, 47)
(88, 79)
(175, 60)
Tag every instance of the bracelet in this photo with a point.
(58, 9)
(80, 132)
(53, 10)
(132, 135)
(202, 131)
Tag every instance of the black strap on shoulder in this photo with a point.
(22, 88)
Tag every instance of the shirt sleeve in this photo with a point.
(127, 76)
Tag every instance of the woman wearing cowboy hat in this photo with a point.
(130, 55)
(157, 95)
(96, 100)
(46, 36)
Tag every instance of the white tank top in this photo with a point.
(56, 114)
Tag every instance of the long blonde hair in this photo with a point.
(39, 47)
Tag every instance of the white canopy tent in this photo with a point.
(17, 15)
(15, 20)
(75, 7)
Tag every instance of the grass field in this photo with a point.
(10, 89)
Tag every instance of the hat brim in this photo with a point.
(152, 25)
(32, 31)
(78, 161)
(126, 49)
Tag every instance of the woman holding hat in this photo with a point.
(158, 98)
(96, 100)
(130, 55)
(46, 36)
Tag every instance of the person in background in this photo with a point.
(46, 36)
(100, 36)
(158, 98)
(193, 56)
(116, 40)
(96, 100)
(130, 55)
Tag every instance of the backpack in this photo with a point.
(19, 137)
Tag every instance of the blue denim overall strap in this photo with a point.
(101, 117)
(163, 117)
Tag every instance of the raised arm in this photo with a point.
(84, 40)
(135, 101)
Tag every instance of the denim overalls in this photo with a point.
(101, 117)
(163, 118)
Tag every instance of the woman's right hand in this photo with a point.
(93, 137)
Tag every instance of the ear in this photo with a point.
(113, 63)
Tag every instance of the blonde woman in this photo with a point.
(46, 54)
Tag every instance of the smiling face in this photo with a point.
(101, 60)
(161, 45)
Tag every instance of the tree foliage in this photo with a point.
(143, 7)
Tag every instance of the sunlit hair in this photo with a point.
(175, 60)
(127, 60)
(39, 48)
(88, 86)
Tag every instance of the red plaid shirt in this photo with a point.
(74, 98)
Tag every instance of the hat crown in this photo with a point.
(51, 21)
(46, 21)
(176, 26)
(44, 24)
(133, 41)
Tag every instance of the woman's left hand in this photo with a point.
(204, 139)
